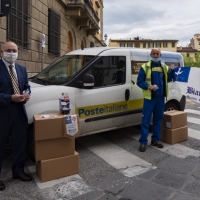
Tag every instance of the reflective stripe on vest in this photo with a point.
(146, 72)
(122, 69)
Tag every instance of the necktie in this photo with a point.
(14, 80)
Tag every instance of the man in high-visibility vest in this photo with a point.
(121, 65)
(153, 78)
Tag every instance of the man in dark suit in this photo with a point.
(14, 93)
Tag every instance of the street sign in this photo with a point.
(43, 40)
(5, 7)
(43, 46)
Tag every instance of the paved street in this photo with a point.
(112, 168)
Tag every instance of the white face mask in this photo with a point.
(10, 57)
(155, 59)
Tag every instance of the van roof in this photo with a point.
(97, 50)
(89, 51)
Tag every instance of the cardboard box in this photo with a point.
(71, 126)
(174, 119)
(172, 136)
(53, 148)
(57, 168)
(48, 128)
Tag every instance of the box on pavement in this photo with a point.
(58, 167)
(48, 127)
(53, 148)
(172, 136)
(49, 137)
(71, 126)
(174, 119)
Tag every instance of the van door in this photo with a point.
(136, 99)
(105, 106)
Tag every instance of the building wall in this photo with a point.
(189, 54)
(98, 6)
(2, 30)
(32, 57)
(139, 44)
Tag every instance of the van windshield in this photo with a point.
(60, 71)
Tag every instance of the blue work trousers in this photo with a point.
(154, 106)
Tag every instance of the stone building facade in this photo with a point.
(66, 24)
(195, 42)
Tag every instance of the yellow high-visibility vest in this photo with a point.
(147, 69)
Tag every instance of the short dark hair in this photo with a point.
(122, 62)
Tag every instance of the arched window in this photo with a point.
(69, 42)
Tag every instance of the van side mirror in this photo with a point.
(88, 81)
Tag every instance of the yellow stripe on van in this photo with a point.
(136, 104)
(110, 108)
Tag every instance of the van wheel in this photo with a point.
(30, 144)
(171, 106)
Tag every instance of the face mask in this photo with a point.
(10, 57)
(155, 59)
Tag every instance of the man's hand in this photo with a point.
(26, 97)
(20, 97)
(171, 67)
(151, 87)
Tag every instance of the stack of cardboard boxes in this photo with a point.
(174, 127)
(54, 152)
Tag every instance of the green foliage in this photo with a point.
(197, 58)
(189, 61)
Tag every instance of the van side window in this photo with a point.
(109, 70)
(173, 64)
(135, 68)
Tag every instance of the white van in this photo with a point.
(89, 76)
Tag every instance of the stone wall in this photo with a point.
(32, 57)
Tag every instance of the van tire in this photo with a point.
(171, 106)
(30, 144)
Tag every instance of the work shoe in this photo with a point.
(23, 177)
(157, 144)
(2, 186)
(142, 147)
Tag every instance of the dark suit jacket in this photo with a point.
(6, 88)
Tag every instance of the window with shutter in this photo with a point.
(54, 32)
(17, 23)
